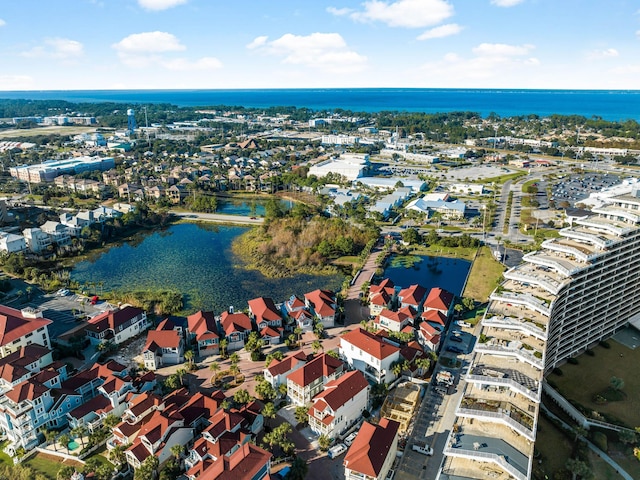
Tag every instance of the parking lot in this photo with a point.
(573, 188)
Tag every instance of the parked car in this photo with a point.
(423, 449)
(63, 292)
(337, 450)
(390, 475)
(349, 440)
(454, 349)
(456, 338)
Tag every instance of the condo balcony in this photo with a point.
(498, 411)
(529, 275)
(494, 393)
(493, 443)
(528, 288)
(525, 299)
(517, 311)
(524, 325)
(581, 251)
(598, 239)
(522, 351)
(460, 468)
(506, 373)
(617, 213)
(561, 263)
(609, 225)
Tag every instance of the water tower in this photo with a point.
(131, 121)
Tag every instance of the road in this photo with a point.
(218, 218)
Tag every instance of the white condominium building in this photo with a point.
(575, 291)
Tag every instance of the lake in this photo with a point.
(246, 206)
(444, 272)
(195, 259)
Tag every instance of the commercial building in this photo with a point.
(350, 166)
(579, 289)
(47, 171)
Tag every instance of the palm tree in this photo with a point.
(235, 371)
(50, 437)
(181, 372)
(578, 468)
(215, 368)
(177, 450)
(116, 455)
(111, 421)
(234, 358)
(269, 411)
(223, 347)
(188, 356)
(79, 432)
(316, 346)
(616, 383)
(64, 439)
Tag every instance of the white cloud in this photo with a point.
(151, 48)
(339, 12)
(257, 42)
(405, 13)
(326, 51)
(184, 65)
(604, 53)
(506, 3)
(638, 33)
(501, 50)
(149, 42)
(160, 4)
(57, 49)
(441, 31)
(2, 23)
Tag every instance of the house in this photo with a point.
(395, 321)
(369, 353)
(164, 346)
(58, 233)
(435, 318)
(22, 364)
(203, 330)
(378, 302)
(158, 434)
(429, 336)
(306, 382)
(322, 303)
(176, 193)
(372, 453)
(236, 328)
(117, 326)
(243, 461)
(297, 314)
(19, 328)
(264, 313)
(412, 296)
(37, 241)
(278, 370)
(386, 285)
(12, 243)
(439, 300)
(340, 404)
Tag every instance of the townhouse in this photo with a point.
(439, 300)
(236, 328)
(164, 346)
(278, 370)
(20, 328)
(117, 326)
(307, 381)
(322, 303)
(373, 451)
(203, 331)
(297, 314)
(395, 321)
(412, 296)
(339, 405)
(267, 318)
(369, 353)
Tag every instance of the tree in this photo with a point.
(302, 414)
(318, 329)
(171, 470)
(148, 469)
(316, 345)
(234, 358)
(627, 436)
(323, 442)
(215, 368)
(181, 372)
(269, 411)
(333, 353)
(241, 397)
(578, 468)
(616, 383)
(235, 371)
(411, 236)
(223, 347)
(50, 437)
(298, 471)
(79, 432)
(188, 356)
(117, 456)
(177, 450)
(65, 472)
(64, 439)
(111, 421)
(423, 364)
(265, 391)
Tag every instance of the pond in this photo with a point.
(196, 260)
(444, 272)
(245, 206)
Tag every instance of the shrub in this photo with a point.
(590, 352)
(557, 371)
(573, 361)
(605, 344)
(600, 441)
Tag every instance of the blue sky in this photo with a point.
(115, 44)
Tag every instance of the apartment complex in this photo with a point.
(576, 290)
(47, 171)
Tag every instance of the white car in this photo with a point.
(337, 450)
(63, 292)
(423, 449)
(349, 440)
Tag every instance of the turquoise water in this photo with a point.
(195, 259)
(245, 207)
(608, 104)
(443, 272)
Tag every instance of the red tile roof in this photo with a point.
(322, 301)
(284, 365)
(96, 404)
(398, 317)
(162, 339)
(112, 319)
(242, 464)
(201, 323)
(27, 390)
(14, 325)
(370, 343)
(235, 322)
(386, 285)
(434, 316)
(439, 299)
(339, 391)
(371, 446)
(413, 295)
(264, 309)
(380, 298)
(322, 366)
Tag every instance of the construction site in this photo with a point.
(401, 404)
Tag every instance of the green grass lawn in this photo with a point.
(484, 276)
(47, 464)
(554, 447)
(440, 251)
(4, 458)
(592, 375)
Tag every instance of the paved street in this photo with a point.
(218, 217)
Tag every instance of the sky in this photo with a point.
(221, 44)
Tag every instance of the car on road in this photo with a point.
(337, 450)
(63, 292)
(349, 440)
(423, 449)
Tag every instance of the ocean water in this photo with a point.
(607, 104)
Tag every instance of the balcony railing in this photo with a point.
(484, 457)
(501, 416)
(551, 287)
(505, 382)
(519, 352)
(525, 299)
(512, 323)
